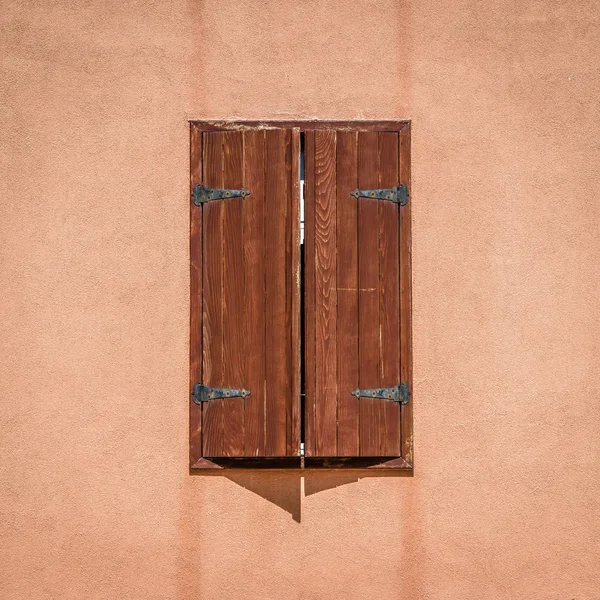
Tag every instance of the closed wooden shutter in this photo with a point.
(245, 295)
(357, 297)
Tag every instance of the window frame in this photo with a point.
(406, 461)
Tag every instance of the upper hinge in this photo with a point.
(204, 393)
(398, 393)
(398, 194)
(202, 194)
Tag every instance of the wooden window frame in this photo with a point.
(406, 461)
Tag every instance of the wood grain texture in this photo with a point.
(251, 301)
(278, 321)
(254, 296)
(234, 342)
(406, 299)
(212, 318)
(195, 295)
(364, 302)
(347, 292)
(368, 279)
(326, 294)
(389, 298)
(294, 297)
(309, 294)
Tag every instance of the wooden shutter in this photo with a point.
(245, 295)
(357, 296)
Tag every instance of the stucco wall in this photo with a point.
(95, 496)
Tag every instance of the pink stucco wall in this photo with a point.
(95, 497)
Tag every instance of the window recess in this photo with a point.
(300, 337)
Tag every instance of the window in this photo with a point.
(300, 347)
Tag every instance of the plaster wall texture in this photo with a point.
(96, 500)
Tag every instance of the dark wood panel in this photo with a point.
(406, 299)
(360, 311)
(234, 342)
(347, 292)
(212, 319)
(326, 293)
(254, 325)
(195, 295)
(389, 300)
(368, 278)
(251, 294)
(278, 343)
(309, 293)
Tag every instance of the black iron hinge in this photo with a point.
(204, 393)
(398, 393)
(398, 194)
(203, 194)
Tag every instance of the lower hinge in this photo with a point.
(398, 393)
(202, 194)
(204, 393)
(397, 194)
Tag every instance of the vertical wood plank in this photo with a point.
(309, 294)
(195, 294)
(389, 301)
(347, 292)
(254, 326)
(406, 298)
(326, 293)
(368, 277)
(278, 355)
(234, 350)
(212, 318)
(294, 296)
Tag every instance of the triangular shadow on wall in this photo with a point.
(285, 488)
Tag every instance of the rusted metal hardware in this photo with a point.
(204, 393)
(203, 194)
(398, 194)
(398, 393)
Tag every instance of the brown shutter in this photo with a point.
(357, 272)
(245, 295)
